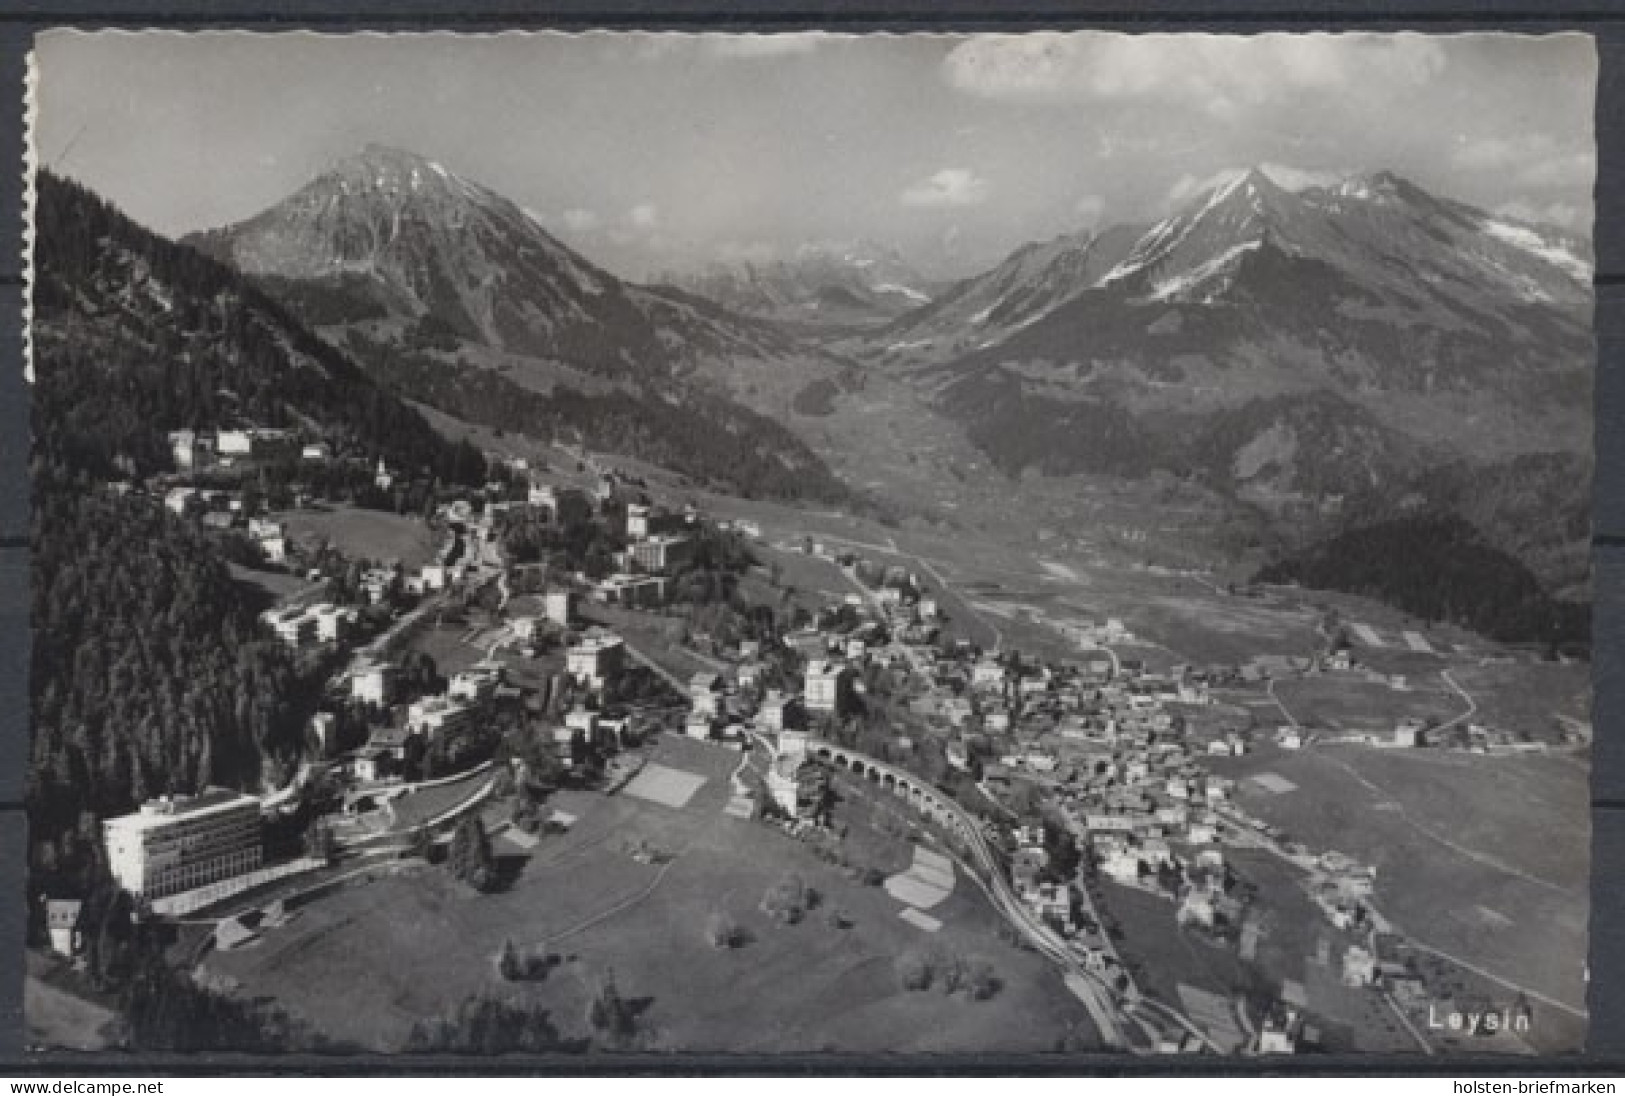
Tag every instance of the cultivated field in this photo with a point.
(1161, 952)
(365, 963)
(58, 1010)
(816, 581)
(657, 637)
(363, 534)
(1349, 702)
(1484, 858)
(1290, 929)
(449, 645)
(1527, 697)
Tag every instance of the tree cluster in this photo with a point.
(485, 1024)
(704, 436)
(1437, 567)
(150, 673)
(471, 859)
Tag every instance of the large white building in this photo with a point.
(829, 687)
(178, 844)
(374, 684)
(298, 625)
(558, 607)
(596, 659)
(437, 714)
(795, 782)
(477, 682)
(659, 554)
(637, 520)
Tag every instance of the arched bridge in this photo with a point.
(905, 785)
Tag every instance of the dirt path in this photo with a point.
(1431, 834)
(1290, 718)
(1472, 705)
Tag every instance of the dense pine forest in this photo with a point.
(1438, 568)
(137, 335)
(711, 440)
(150, 672)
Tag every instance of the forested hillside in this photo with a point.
(434, 279)
(1439, 568)
(711, 440)
(150, 673)
(136, 335)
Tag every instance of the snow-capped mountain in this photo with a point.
(1302, 348)
(1394, 236)
(392, 236)
(1032, 281)
(1416, 251)
(820, 285)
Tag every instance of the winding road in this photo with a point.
(1472, 705)
(1290, 718)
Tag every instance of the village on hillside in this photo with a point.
(558, 634)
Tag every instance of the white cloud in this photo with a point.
(1298, 179)
(643, 215)
(1533, 161)
(950, 188)
(1491, 153)
(1569, 169)
(1216, 73)
(747, 251)
(580, 220)
(1564, 215)
(1187, 186)
(1090, 209)
(753, 46)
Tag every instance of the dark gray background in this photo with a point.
(1603, 18)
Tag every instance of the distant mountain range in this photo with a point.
(820, 288)
(461, 299)
(1326, 354)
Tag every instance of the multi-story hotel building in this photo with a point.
(176, 844)
(660, 554)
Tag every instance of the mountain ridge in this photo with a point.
(420, 271)
(819, 286)
(420, 240)
(1316, 353)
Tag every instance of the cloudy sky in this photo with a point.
(651, 152)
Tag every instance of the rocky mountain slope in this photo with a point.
(135, 335)
(459, 298)
(979, 311)
(397, 237)
(1325, 354)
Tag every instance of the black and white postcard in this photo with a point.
(675, 544)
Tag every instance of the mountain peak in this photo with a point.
(1385, 184)
(1258, 177)
(1254, 184)
(378, 152)
(379, 167)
